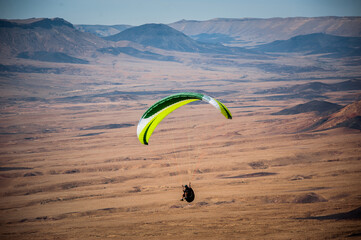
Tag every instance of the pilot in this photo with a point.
(188, 193)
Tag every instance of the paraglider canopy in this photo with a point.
(158, 111)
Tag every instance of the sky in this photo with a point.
(137, 12)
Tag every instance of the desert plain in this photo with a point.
(73, 168)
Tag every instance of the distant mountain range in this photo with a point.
(57, 40)
(253, 31)
(249, 31)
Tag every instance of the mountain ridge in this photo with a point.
(35, 22)
(316, 43)
(45, 35)
(328, 115)
(56, 35)
(348, 116)
(252, 31)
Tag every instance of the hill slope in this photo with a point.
(136, 53)
(321, 107)
(45, 35)
(332, 115)
(51, 57)
(349, 116)
(316, 43)
(315, 87)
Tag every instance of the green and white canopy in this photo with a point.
(158, 111)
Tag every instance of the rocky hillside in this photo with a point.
(45, 35)
(328, 115)
(349, 116)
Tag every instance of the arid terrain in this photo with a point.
(72, 167)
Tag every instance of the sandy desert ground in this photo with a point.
(73, 168)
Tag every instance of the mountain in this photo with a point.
(332, 115)
(316, 43)
(45, 35)
(321, 107)
(56, 40)
(33, 23)
(349, 116)
(102, 30)
(164, 37)
(253, 31)
(158, 36)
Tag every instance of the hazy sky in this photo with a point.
(137, 12)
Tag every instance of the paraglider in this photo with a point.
(158, 111)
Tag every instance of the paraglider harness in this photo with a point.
(188, 193)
